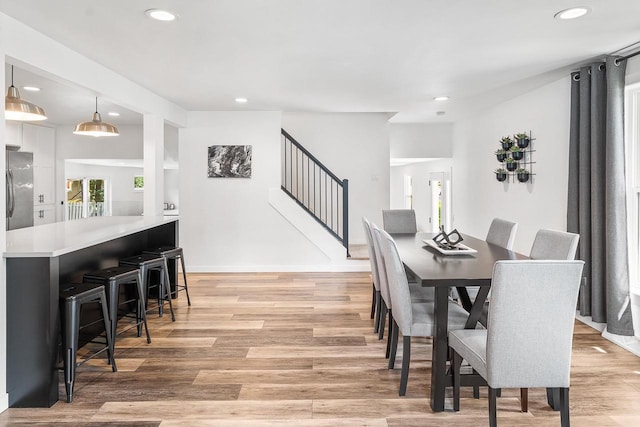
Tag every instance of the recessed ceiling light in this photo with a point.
(441, 98)
(161, 15)
(113, 113)
(440, 113)
(573, 13)
(241, 100)
(31, 88)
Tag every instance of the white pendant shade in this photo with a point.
(96, 127)
(19, 109)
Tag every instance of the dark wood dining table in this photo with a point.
(442, 272)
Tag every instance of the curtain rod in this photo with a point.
(631, 55)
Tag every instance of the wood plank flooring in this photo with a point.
(299, 350)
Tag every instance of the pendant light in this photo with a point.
(19, 109)
(96, 127)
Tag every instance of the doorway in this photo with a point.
(440, 192)
(86, 197)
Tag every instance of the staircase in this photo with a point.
(316, 189)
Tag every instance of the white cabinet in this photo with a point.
(13, 133)
(44, 214)
(40, 140)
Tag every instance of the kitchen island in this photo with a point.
(41, 258)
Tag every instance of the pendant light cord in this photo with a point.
(12, 75)
(96, 104)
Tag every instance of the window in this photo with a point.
(138, 183)
(86, 197)
(632, 146)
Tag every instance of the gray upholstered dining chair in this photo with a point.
(418, 293)
(399, 221)
(375, 277)
(502, 233)
(410, 318)
(551, 244)
(535, 351)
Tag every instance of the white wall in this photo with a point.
(354, 146)
(421, 140)
(420, 174)
(542, 203)
(227, 224)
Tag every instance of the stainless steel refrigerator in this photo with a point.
(19, 176)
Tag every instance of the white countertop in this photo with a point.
(59, 238)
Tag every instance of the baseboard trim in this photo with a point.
(631, 344)
(349, 266)
(4, 402)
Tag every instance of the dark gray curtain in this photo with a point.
(597, 207)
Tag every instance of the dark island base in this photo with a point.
(33, 318)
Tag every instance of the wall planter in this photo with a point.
(516, 153)
(501, 174)
(506, 142)
(515, 156)
(522, 174)
(522, 140)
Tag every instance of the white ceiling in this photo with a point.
(335, 55)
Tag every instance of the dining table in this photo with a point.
(432, 268)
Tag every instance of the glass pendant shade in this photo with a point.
(19, 109)
(96, 127)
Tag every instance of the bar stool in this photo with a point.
(171, 252)
(149, 262)
(71, 298)
(112, 278)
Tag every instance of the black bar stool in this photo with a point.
(171, 252)
(71, 298)
(112, 278)
(150, 262)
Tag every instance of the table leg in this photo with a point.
(439, 349)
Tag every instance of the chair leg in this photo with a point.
(184, 277)
(493, 397)
(393, 337)
(383, 318)
(406, 359)
(476, 392)
(455, 368)
(373, 301)
(376, 322)
(564, 407)
(72, 322)
(107, 331)
(553, 398)
(141, 305)
(524, 399)
(498, 392)
(391, 322)
(167, 288)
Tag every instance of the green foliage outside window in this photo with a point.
(96, 190)
(138, 182)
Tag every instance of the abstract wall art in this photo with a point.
(229, 161)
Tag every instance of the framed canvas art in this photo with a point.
(229, 161)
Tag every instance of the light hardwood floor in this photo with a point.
(299, 350)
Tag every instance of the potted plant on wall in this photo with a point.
(522, 139)
(501, 155)
(511, 164)
(506, 142)
(523, 174)
(501, 174)
(516, 152)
